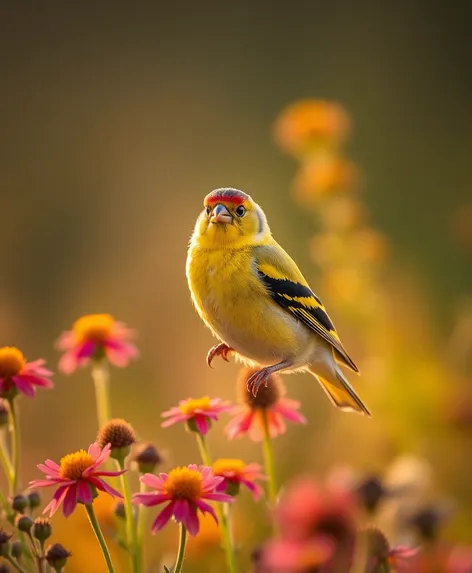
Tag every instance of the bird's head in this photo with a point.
(230, 218)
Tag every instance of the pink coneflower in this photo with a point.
(77, 478)
(186, 489)
(96, 336)
(269, 404)
(236, 473)
(17, 375)
(285, 556)
(198, 413)
(306, 510)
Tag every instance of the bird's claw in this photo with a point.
(221, 349)
(256, 380)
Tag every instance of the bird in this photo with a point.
(252, 296)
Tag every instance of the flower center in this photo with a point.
(12, 362)
(191, 405)
(93, 327)
(73, 465)
(228, 467)
(184, 483)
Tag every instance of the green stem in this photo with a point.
(5, 459)
(14, 564)
(225, 530)
(181, 552)
(99, 535)
(141, 523)
(101, 379)
(15, 448)
(130, 525)
(269, 460)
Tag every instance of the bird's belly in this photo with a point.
(254, 325)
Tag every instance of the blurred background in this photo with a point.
(116, 121)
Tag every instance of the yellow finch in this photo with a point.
(253, 297)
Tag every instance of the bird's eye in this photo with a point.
(240, 211)
(208, 211)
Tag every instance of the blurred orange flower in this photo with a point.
(308, 125)
(326, 175)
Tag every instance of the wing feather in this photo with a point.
(288, 288)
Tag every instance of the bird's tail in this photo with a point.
(339, 391)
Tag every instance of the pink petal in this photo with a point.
(66, 340)
(103, 486)
(47, 482)
(36, 368)
(57, 499)
(172, 412)
(48, 471)
(181, 509)
(85, 350)
(201, 424)
(163, 517)
(149, 498)
(37, 380)
(51, 464)
(206, 508)
(68, 362)
(84, 492)
(24, 386)
(174, 420)
(70, 500)
(219, 497)
(254, 488)
(152, 480)
(289, 412)
(94, 451)
(107, 474)
(239, 425)
(191, 521)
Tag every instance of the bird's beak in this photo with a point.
(221, 215)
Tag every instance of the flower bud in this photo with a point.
(119, 510)
(42, 528)
(24, 523)
(147, 458)
(4, 413)
(34, 500)
(120, 435)
(19, 503)
(4, 543)
(4, 568)
(16, 549)
(57, 556)
(371, 492)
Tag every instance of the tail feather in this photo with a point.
(341, 393)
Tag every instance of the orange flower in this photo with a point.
(308, 125)
(324, 176)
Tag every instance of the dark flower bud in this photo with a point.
(428, 521)
(19, 503)
(4, 413)
(370, 492)
(24, 523)
(42, 528)
(34, 500)
(120, 435)
(16, 549)
(119, 510)
(147, 458)
(4, 543)
(57, 556)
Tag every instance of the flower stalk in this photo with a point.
(131, 538)
(222, 516)
(99, 535)
(269, 460)
(101, 379)
(181, 551)
(15, 448)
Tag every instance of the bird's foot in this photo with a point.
(257, 379)
(221, 349)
